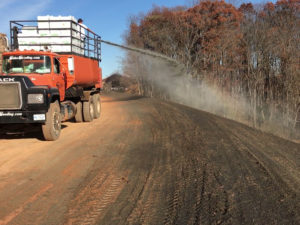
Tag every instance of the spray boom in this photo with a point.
(142, 51)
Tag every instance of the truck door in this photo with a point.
(59, 80)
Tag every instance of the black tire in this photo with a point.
(88, 110)
(97, 106)
(79, 113)
(52, 128)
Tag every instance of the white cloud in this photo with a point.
(20, 10)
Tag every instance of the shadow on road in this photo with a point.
(22, 131)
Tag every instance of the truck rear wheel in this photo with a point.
(79, 114)
(97, 105)
(51, 129)
(88, 110)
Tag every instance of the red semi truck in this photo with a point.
(51, 74)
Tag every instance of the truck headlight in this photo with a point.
(35, 98)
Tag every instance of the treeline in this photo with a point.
(250, 51)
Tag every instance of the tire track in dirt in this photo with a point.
(98, 194)
(145, 208)
(183, 166)
(90, 210)
(104, 184)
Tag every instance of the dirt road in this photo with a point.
(149, 162)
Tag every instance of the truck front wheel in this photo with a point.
(51, 129)
(88, 110)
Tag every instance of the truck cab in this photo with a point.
(38, 85)
(41, 68)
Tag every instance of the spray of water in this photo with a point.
(174, 82)
(142, 51)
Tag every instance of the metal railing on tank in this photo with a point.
(59, 36)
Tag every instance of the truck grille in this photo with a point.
(10, 96)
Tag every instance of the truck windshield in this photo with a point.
(26, 64)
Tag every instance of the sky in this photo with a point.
(107, 18)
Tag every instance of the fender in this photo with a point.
(53, 95)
